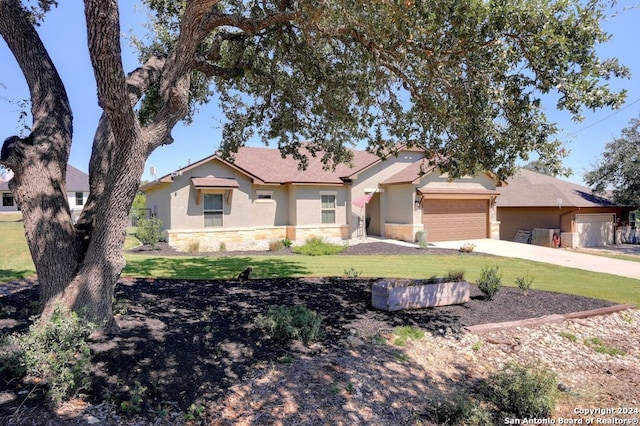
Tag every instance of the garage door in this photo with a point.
(595, 229)
(446, 220)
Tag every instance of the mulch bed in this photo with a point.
(363, 249)
(190, 341)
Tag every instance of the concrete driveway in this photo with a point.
(570, 259)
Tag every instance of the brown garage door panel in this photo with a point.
(455, 219)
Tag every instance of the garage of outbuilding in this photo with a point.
(532, 200)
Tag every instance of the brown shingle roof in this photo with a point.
(531, 189)
(214, 182)
(268, 165)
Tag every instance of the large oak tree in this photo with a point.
(461, 79)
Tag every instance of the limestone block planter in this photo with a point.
(399, 294)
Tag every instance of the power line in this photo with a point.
(607, 117)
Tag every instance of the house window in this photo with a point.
(328, 208)
(264, 196)
(79, 198)
(7, 200)
(213, 209)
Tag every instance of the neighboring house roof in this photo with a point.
(77, 181)
(531, 189)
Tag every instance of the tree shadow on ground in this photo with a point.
(189, 343)
(211, 268)
(13, 274)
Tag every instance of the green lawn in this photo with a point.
(15, 263)
(15, 259)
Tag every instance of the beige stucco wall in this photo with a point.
(380, 206)
(159, 202)
(188, 214)
(400, 203)
(308, 209)
(248, 222)
(273, 212)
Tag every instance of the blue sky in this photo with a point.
(65, 37)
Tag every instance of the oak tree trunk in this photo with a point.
(78, 265)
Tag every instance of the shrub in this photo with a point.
(275, 245)
(352, 272)
(291, 323)
(524, 283)
(459, 409)
(523, 390)
(54, 351)
(467, 247)
(490, 281)
(119, 306)
(318, 247)
(149, 231)
(136, 399)
(287, 242)
(421, 238)
(455, 275)
(193, 246)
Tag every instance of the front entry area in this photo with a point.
(455, 219)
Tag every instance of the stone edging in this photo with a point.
(547, 319)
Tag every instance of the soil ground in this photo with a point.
(186, 347)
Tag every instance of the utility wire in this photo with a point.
(607, 117)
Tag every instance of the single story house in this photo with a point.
(77, 192)
(531, 200)
(261, 197)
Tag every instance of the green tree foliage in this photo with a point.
(149, 231)
(138, 208)
(618, 169)
(460, 79)
(550, 166)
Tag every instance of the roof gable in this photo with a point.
(531, 189)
